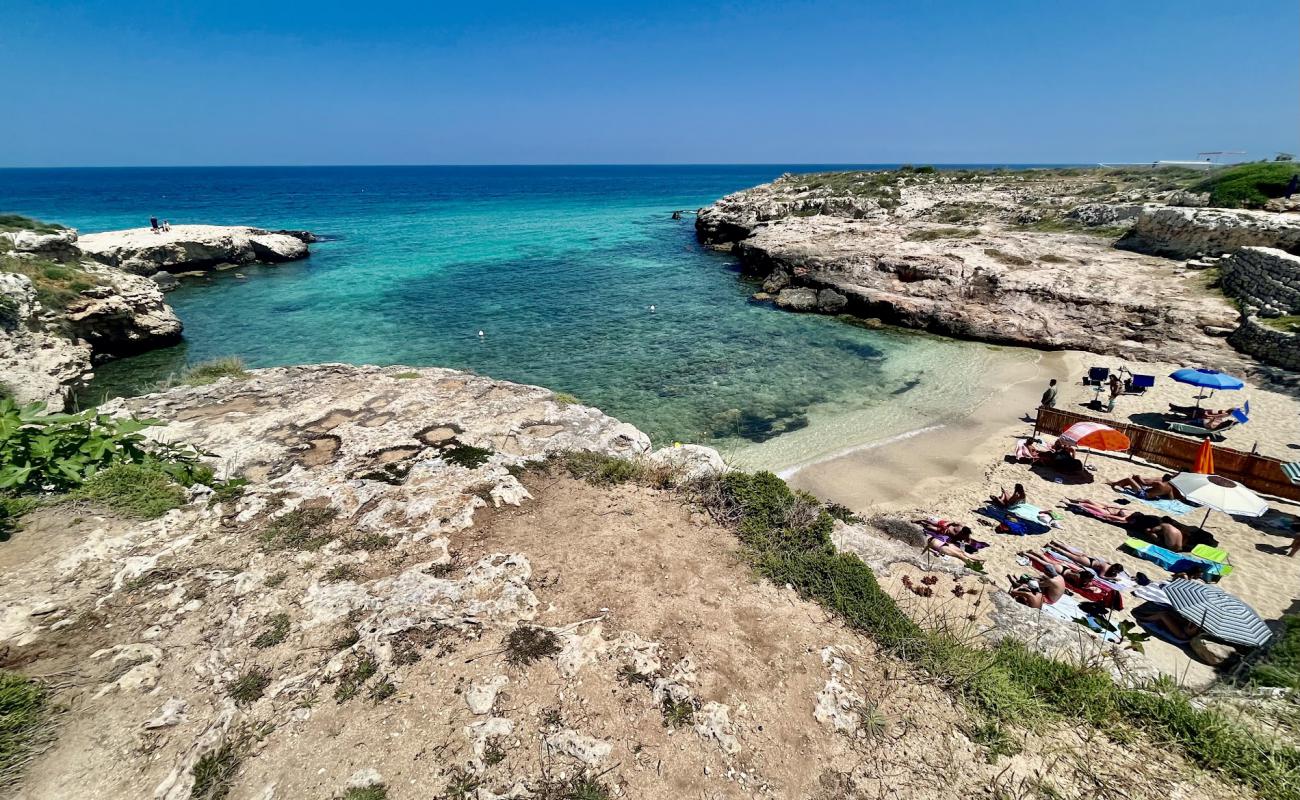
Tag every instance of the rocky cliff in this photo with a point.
(1192, 232)
(1000, 257)
(404, 595)
(188, 248)
(68, 302)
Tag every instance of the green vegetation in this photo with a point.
(370, 542)
(1285, 324)
(406, 376)
(277, 630)
(382, 691)
(786, 535)
(17, 222)
(466, 455)
(137, 490)
(40, 451)
(678, 713)
(565, 399)
(1007, 258)
(1280, 666)
(1248, 185)
(376, 791)
(23, 708)
(300, 529)
(599, 469)
(208, 372)
(57, 285)
(527, 643)
(215, 770)
(342, 572)
(931, 234)
(248, 688)
(355, 677)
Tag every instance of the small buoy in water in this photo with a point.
(480, 333)
(652, 309)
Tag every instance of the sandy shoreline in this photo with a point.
(951, 470)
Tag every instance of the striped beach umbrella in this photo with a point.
(1218, 613)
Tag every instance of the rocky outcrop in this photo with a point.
(124, 316)
(59, 245)
(1191, 232)
(997, 282)
(187, 248)
(36, 363)
(1265, 280)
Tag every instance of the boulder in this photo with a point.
(60, 245)
(801, 299)
(830, 301)
(778, 280)
(165, 280)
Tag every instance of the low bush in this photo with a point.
(23, 706)
(142, 490)
(57, 285)
(1280, 665)
(208, 372)
(17, 222)
(1248, 185)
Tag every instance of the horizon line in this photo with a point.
(918, 163)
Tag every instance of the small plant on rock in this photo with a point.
(526, 644)
(248, 688)
(276, 631)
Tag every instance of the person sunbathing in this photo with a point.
(1196, 413)
(1075, 577)
(1008, 499)
(1148, 488)
(948, 538)
(1107, 569)
(1166, 617)
(1037, 592)
(1103, 512)
(1159, 530)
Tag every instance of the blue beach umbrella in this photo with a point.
(1206, 379)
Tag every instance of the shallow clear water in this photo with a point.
(558, 266)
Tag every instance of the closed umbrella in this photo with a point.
(1220, 494)
(1218, 613)
(1210, 379)
(1205, 458)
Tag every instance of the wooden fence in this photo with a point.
(1261, 473)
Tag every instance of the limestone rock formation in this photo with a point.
(1190, 232)
(187, 248)
(1009, 258)
(36, 364)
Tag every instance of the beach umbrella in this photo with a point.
(1205, 458)
(1218, 613)
(1095, 435)
(1220, 494)
(1210, 379)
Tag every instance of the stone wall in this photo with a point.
(1267, 344)
(1266, 281)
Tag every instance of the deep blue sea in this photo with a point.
(558, 266)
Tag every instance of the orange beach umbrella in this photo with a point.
(1095, 435)
(1205, 458)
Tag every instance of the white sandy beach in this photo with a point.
(951, 471)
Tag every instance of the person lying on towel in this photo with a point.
(951, 539)
(1038, 592)
(1148, 488)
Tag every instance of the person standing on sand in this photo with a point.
(1116, 389)
(1049, 396)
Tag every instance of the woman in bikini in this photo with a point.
(1038, 592)
(1106, 569)
(947, 538)
(1148, 488)
(1008, 499)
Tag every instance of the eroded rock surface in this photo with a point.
(1007, 258)
(187, 248)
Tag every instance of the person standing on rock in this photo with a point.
(1049, 396)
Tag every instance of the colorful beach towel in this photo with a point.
(1014, 523)
(1094, 591)
(1174, 562)
(1173, 508)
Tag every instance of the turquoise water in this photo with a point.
(558, 266)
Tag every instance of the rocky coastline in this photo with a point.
(70, 302)
(1029, 259)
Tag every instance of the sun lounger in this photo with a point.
(1097, 376)
(1174, 562)
(1138, 384)
(1188, 429)
(1292, 471)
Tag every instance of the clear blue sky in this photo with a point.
(125, 83)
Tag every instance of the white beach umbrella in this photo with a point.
(1219, 493)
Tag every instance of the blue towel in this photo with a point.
(1016, 525)
(1173, 508)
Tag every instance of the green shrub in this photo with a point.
(466, 455)
(137, 490)
(1248, 185)
(1280, 665)
(22, 712)
(57, 285)
(208, 372)
(17, 222)
(215, 771)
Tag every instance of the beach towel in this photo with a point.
(1014, 524)
(1155, 592)
(1173, 508)
(1174, 562)
(1067, 610)
(1216, 555)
